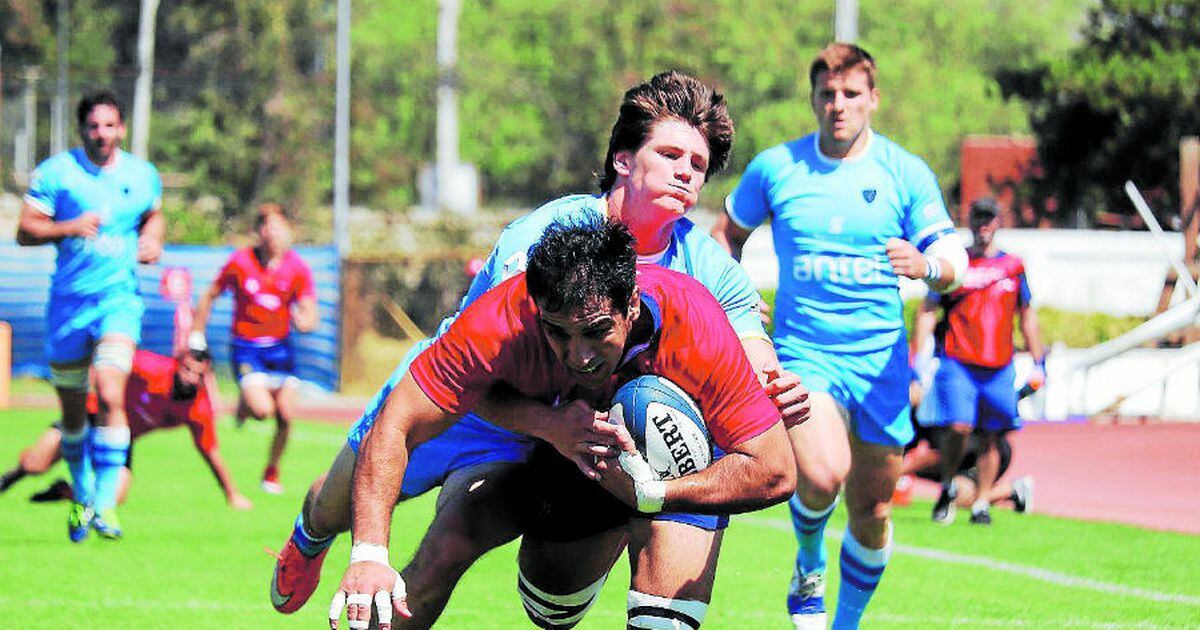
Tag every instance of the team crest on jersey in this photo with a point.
(869, 194)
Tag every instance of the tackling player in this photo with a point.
(850, 212)
(271, 286)
(581, 321)
(99, 206)
(162, 393)
(671, 134)
(974, 383)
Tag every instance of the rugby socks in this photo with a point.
(308, 544)
(110, 451)
(75, 448)
(809, 526)
(861, 570)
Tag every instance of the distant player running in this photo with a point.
(99, 206)
(974, 382)
(581, 321)
(162, 393)
(271, 286)
(850, 212)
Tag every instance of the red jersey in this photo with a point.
(261, 297)
(150, 406)
(499, 339)
(977, 328)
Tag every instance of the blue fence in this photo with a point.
(25, 285)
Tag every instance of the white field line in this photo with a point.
(1045, 575)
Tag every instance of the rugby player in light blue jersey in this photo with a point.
(661, 152)
(99, 206)
(850, 212)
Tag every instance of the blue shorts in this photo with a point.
(978, 396)
(74, 324)
(469, 442)
(871, 386)
(273, 360)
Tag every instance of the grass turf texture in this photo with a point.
(188, 561)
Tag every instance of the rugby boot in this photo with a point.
(79, 521)
(1023, 494)
(806, 601)
(295, 578)
(943, 510)
(107, 525)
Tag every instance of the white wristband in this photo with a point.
(933, 270)
(651, 494)
(367, 552)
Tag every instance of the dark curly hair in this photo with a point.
(577, 264)
(670, 96)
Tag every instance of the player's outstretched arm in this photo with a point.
(407, 419)
(216, 464)
(752, 475)
(203, 310)
(36, 228)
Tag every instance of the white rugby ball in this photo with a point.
(666, 425)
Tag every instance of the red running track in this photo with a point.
(1140, 474)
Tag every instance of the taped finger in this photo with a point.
(335, 608)
(383, 603)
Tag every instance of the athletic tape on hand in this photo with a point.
(383, 604)
(650, 490)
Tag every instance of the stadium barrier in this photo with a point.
(25, 291)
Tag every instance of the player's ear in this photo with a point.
(623, 163)
(635, 306)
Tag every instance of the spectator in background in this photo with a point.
(272, 290)
(99, 206)
(975, 376)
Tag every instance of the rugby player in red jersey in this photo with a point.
(974, 382)
(583, 320)
(162, 393)
(272, 290)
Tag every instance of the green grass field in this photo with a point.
(189, 562)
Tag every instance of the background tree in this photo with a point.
(1114, 108)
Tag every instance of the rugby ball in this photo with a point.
(666, 425)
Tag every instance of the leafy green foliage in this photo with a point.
(244, 91)
(1115, 108)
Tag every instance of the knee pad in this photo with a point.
(556, 611)
(115, 355)
(70, 378)
(660, 613)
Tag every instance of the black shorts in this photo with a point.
(562, 504)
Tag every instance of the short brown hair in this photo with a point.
(840, 58)
(670, 96)
(267, 210)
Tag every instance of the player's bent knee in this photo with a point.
(547, 610)
(115, 355)
(73, 378)
(652, 612)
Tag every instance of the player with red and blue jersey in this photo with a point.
(974, 384)
(162, 393)
(272, 289)
(582, 320)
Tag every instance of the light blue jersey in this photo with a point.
(839, 321)
(831, 220)
(473, 440)
(68, 185)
